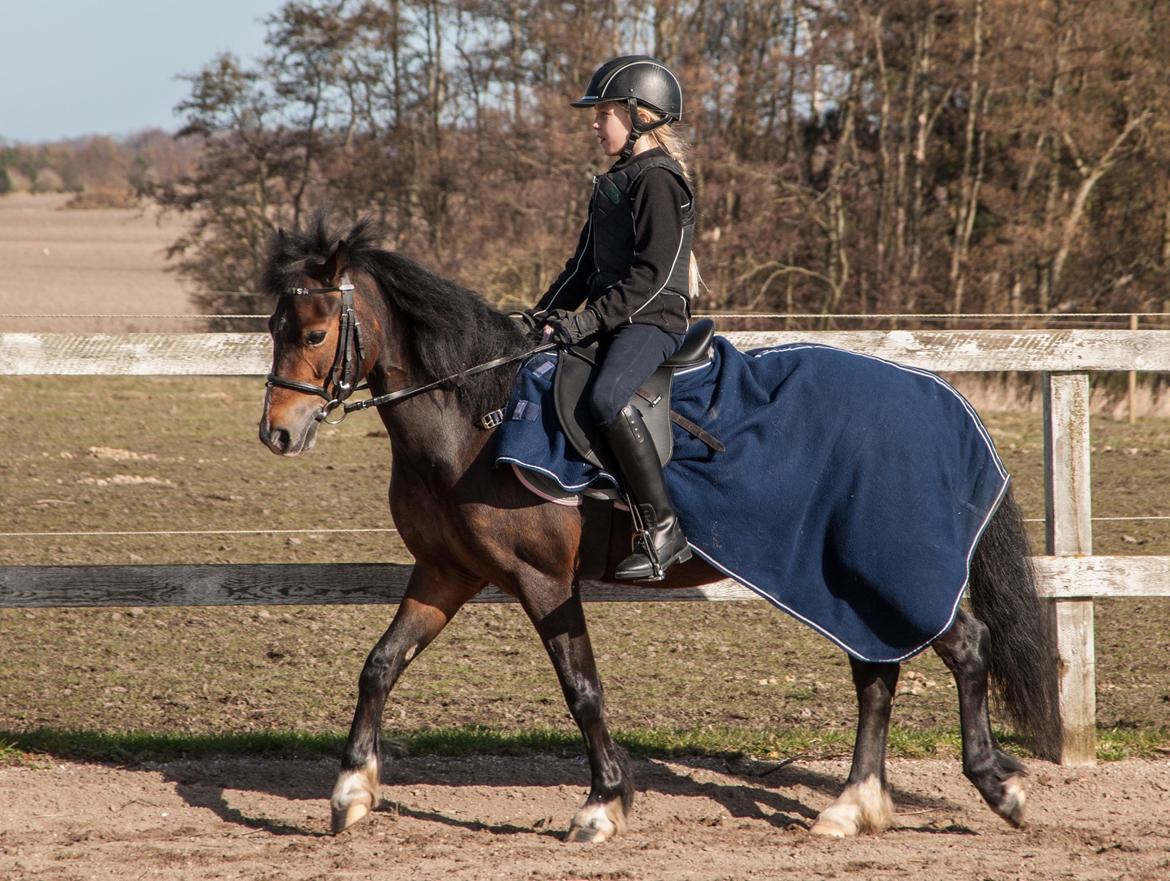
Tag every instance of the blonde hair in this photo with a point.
(668, 139)
(677, 148)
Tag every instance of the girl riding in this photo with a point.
(634, 273)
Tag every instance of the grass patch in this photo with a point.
(1114, 744)
(9, 753)
(134, 748)
(770, 685)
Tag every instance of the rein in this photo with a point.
(338, 386)
(403, 394)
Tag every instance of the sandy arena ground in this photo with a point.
(501, 818)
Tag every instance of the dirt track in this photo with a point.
(64, 262)
(494, 817)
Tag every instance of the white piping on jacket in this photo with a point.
(586, 248)
(670, 273)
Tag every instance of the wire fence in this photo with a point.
(1036, 320)
(163, 533)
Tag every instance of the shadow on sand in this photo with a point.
(767, 792)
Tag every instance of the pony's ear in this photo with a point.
(282, 237)
(338, 261)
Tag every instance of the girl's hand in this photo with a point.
(570, 328)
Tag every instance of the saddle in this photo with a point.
(575, 373)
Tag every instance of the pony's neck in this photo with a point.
(431, 433)
(431, 436)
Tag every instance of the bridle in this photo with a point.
(339, 384)
(342, 380)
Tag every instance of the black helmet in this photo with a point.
(646, 80)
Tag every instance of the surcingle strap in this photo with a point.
(691, 428)
(695, 431)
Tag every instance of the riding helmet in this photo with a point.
(646, 80)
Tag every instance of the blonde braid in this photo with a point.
(677, 148)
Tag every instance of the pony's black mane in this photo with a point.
(445, 327)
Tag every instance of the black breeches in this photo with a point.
(629, 356)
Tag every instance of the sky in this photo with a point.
(70, 68)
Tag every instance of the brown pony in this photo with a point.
(346, 311)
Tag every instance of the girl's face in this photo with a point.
(611, 124)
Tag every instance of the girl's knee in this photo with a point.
(604, 407)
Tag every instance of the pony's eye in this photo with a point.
(315, 337)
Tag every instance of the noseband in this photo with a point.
(342, 379)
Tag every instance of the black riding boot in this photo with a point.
(642, 471)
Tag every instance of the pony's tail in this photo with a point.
(1021, 653)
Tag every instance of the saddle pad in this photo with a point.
(851, 494)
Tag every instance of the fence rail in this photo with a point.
(233, 354)
(1069, 576)
(316, 584)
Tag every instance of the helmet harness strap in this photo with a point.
(639, 128)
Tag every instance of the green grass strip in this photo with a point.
(140, 747)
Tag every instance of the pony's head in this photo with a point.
(347, 309)
(319, 353)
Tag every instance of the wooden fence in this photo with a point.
(1068, 576)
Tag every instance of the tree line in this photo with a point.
(849, 157)
(116, 170)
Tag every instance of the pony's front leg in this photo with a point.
(432, 599)
(865, 805)
(556, 611)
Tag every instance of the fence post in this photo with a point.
(1132, 380)
(1069, 532)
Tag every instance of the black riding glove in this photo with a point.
(570, 328)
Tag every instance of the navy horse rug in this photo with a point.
(851, 493)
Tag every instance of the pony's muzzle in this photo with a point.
(278, 440)
(286, 441)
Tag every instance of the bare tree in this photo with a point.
(850, 155)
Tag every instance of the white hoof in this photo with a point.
(832, 827)
(596, 823)
(354, 796)
(1015, 797)
(862, 807)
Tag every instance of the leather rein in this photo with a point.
(342, 380)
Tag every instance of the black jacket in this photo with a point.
(633, 255)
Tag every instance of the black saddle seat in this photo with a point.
(696, 345)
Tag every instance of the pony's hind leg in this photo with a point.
(431, 600)
(865, 804)
(996, 775)
(556, 612)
